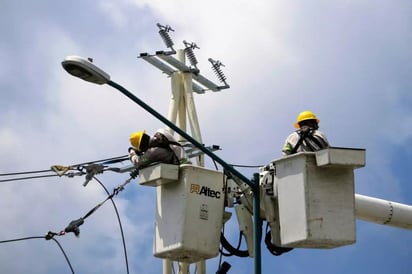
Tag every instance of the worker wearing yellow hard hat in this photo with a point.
(160, 148)
(307, 137)
(140, 140)
(305, 116)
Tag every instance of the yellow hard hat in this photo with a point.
(305, 115)
(136, 138)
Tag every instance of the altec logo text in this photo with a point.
(204, 190)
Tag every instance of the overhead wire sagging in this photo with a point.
(49, 236)
(90, 169)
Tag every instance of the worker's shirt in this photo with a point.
(316, 141)
(173, 154)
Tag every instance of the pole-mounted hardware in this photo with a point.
(216, 64)
(168, 64)
(164, 34)
(189, 47)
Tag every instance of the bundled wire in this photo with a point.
(274, 249)
(120, 225)
(27, 177)
(90, 169)
(232, 251)
(60, 170)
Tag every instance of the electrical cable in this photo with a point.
(26, 178)
(214, 162)
(111, 160)
(274, 249)
(221, 247)
(64, 254)
(224, 268)
(43, 237)
(75, 224)
(246, 166)
(27, 172)
(233, 251)
(106, 161)
(237, 165)
(120, 224)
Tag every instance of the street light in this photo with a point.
(86, 70)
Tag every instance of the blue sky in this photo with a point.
(348, 61)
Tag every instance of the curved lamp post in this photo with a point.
(86, 70)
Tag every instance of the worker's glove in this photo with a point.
(132, 153)
(305, 131)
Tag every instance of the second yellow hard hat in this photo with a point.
(305, 115)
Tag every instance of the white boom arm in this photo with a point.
(383, 212)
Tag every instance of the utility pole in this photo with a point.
(184, 81)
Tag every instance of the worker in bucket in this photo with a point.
(307, 137)
(160, 148)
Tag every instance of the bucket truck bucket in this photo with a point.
(156, 175)
(316, 197)
(189, 212)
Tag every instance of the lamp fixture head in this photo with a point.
(85, 69)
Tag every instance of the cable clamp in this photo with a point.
(50, 235)
(60, 170)
(72, 174)
(91, 171)
(74, 226)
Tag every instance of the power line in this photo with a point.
(74, 225)
(111, 160)
(246, 166)
(26, 178)
(78, 167)
(120, 224)
(43, 237)
(26, 172)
